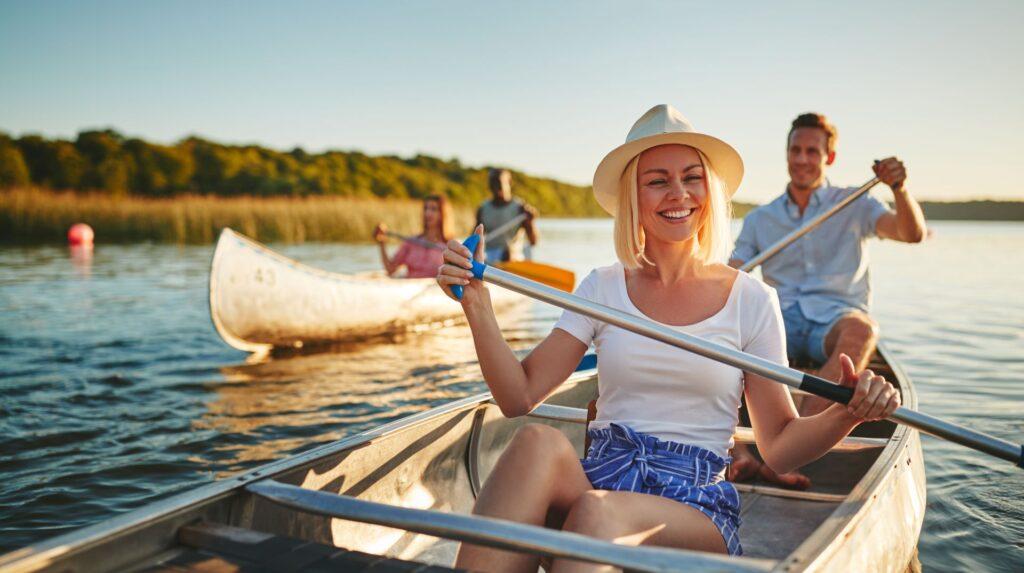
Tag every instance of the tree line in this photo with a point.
(105, 161)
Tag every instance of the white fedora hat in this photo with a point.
(661, 125)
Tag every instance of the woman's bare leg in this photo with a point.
(638, 519)
(537, 475)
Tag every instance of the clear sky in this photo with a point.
(545, 87)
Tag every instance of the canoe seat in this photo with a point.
(213, 547)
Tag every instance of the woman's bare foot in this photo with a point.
(744, 466)
(791, 480)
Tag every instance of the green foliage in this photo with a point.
(13, 170)
(104, 161)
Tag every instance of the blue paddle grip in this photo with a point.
(471, 243)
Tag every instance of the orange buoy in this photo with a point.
(80, 234)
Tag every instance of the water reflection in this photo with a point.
(81, 259)
(296, 400)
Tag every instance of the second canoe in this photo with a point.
(260, 300)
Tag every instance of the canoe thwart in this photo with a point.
(558, 413)
(498, 533)
(743, 435)
(790, 493)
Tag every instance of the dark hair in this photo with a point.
(494, 177)
(819, 121)
(446, 216)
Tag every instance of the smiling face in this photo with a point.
(671, 193)
(807, 158)
(500, 182)
(431, 215)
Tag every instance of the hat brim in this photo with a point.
(723, 158)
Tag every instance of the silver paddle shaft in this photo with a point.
(417, 240)
(810, 226)
(504, 227)
(960, 435)
(439, 247)
(749, 363)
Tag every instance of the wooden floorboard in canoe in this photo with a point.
(216, 548)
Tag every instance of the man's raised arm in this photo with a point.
(907, 223)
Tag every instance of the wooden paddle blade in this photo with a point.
(559, 278)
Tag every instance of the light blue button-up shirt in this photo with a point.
(826, 270)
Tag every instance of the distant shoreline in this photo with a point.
(38, 216)
(978, 210)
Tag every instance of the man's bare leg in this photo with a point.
(855, 335)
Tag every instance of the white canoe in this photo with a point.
(260, 300)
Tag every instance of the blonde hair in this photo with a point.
(713, 236)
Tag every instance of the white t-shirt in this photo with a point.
(671, 393)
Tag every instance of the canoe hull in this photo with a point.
(437, 460)
(261, 300)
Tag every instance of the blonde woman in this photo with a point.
(654, 473)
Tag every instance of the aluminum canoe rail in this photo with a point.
(499, 533)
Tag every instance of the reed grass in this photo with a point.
(33, 215)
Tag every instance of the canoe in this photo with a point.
(399, 496)
(260, 300)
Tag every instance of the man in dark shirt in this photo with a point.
(500, 210)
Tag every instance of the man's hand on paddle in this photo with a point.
(530, 211)
(873, 397)
(379, 233)
(892, 172)
(456, 271)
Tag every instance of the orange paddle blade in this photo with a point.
(559, 278)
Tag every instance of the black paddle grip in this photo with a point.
(826, 389)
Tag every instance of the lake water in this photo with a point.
(116, 390)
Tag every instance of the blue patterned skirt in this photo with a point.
(622, 459)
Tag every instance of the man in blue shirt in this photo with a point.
(822, 279)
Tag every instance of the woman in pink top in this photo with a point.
(420, 259)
